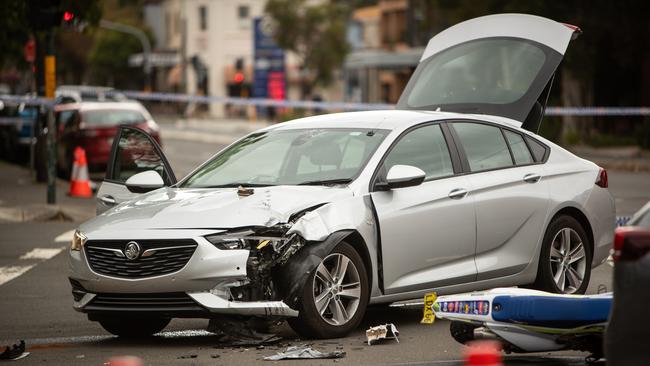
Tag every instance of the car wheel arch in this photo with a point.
(292, 276)
(357, 242)
(580, 216)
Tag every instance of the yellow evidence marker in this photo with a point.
(429, 316)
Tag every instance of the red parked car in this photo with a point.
(93, 125)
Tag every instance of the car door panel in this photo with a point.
(510, 217)
(428, 239)
(133, 151)
(511, 201)
(427, 231)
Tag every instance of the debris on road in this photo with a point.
(183, 357)
(386, 331)
(303, 352)
(240, 333)
(14, 352)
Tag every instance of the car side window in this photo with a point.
(518, 147)
(538, 150)
(424, 148)
(136, 153)
(484, 146)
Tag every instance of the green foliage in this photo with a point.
(14, 30)
(315, 32)
(109, 58)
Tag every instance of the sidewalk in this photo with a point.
(23, 200)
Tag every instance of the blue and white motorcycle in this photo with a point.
(525, 320)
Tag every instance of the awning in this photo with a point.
(383, 59)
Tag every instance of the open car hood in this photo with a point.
(501, 65)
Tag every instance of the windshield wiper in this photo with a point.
(325, 182)
(236, 185)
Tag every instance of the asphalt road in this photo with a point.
(36, 306)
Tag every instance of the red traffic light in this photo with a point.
(68, 16)
(239, 77)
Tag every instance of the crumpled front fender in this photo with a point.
(291, 278)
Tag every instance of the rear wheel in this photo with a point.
(565, 258)
(134, 327)
(335, 296)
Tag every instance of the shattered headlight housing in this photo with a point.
(230, 242)
(78, 240)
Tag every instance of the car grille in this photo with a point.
(161, 302)
(157, 257)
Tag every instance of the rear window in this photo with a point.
(112, 117)
(495, 71)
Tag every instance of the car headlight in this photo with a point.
(78, 240)
(226, 242)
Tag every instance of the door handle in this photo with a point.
(532, 178)
(457, 193)
(108, 200)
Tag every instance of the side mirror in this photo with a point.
(400, 176)
(144, 182)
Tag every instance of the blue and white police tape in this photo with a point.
(622, 220)
(326, 106)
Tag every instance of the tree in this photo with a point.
(315, 32)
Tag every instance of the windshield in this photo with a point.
(290, 157)
(112, 117)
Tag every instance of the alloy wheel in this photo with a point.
(336, 289)
(568, 260)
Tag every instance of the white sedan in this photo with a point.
(316, 218)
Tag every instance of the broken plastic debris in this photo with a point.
(14, 352)
(303, 352)
(244, 192)
(386, 331)
(240, 333)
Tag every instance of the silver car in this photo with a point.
(315, 219)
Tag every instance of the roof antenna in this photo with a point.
(438, 109)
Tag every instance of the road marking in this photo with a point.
(10, 272)
(41, 253)
(65, 237)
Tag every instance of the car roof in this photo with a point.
(92, 106)
(385, 119)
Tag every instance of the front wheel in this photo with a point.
(565, 258)
(335, 296)
(134, 327)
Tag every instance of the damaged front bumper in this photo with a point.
(200, 288)
(198, 304)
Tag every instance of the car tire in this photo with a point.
(561, 266)
(335, 320)
(134, 327)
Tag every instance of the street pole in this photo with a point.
(50, 86)
(144, 40)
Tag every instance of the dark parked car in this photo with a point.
(628, 332)
(93, 126)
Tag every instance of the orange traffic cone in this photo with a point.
(79, 184)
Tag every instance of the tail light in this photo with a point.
(631, 243)
(602, 180)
